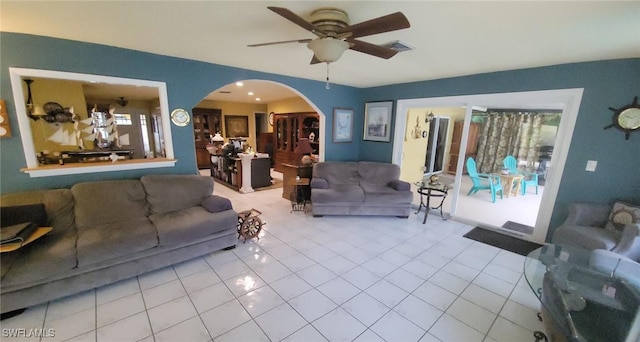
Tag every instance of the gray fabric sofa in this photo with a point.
(359, 188)
(107, 231)
(588, 226)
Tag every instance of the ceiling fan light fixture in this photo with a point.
(328, 50)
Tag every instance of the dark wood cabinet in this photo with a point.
(311, 130)
(288, 128)
(456, 139)
(264, 142)
(206, 123)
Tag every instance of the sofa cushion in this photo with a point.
(104, 202)
(610, 262)
(586, 237)
(337, 172)
(216, 204)
(46, 257)
(338, 193)
(105, 241)
(50, 253)
(378, 173)
(58, 204)
(381, 194)
(177, 227)
(166, 193)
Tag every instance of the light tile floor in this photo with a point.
(312, 279)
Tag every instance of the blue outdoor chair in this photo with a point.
(482, 181)
(530, 178)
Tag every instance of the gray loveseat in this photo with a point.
(359, 188)
(107, 231)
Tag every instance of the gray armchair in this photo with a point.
(585, 228)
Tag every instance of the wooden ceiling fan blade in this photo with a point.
(281, 42)
(371, 49)
(296, 19)
(387, 23)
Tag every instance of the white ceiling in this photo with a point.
(451, 38)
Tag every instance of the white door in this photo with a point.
(437, 145)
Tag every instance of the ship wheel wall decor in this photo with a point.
(627, 118)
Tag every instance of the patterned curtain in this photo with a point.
(509, 133)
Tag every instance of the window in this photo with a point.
(122, 119)
(145, 135)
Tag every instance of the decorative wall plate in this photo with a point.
(180, 117)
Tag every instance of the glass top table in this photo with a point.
(585, 295)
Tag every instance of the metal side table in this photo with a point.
(298, 195)
(427, 191)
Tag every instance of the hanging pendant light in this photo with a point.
(328, 50)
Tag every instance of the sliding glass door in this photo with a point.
(565, 100)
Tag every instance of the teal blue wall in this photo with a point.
(188, 82)
(606, 84)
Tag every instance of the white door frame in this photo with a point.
(566, 99)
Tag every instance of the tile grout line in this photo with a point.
(506, 298)
(95, 300)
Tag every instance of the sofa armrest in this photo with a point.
(216, 204)
(399, 185)
(319, 183)
(628, 236)
(588, 214)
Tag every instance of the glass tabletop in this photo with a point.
(443, 184)
(586, 295)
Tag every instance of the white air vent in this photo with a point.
(398, 46)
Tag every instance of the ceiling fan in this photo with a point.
(335, 35)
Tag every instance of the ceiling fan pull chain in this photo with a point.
(327, 86)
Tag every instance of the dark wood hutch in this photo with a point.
(288, 128)
(206, 123)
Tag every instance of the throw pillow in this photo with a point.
(35, 213)
(216, 204)
(623, 214)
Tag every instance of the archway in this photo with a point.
(248, 102)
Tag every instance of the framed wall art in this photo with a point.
(236, 126)
(342, 125)
(377, 121)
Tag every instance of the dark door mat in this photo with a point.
(518, 227)
(502, 241)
